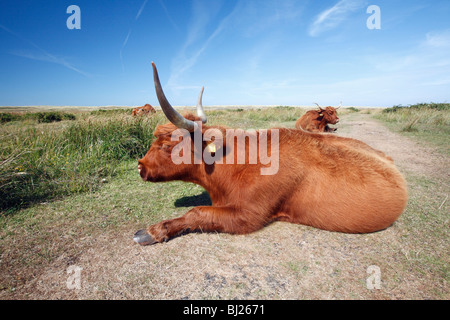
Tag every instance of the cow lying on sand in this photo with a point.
(318, 120)
(324, 181)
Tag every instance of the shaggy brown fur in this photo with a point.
(324, 181)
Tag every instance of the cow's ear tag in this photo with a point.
(211, 147)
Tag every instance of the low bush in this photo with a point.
(41, 117)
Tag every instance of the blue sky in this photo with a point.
(284, 52)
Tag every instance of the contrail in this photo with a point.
(45, 55)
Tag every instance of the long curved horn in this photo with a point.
(171, 114)
(320, 108)
(200, 111)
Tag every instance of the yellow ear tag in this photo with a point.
(211, 147)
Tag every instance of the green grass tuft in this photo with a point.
(429, 122)
(40, 162)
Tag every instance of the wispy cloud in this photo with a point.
(47, 57)
(429, 54)
(416, 73)
(438, 39)
(194, 45)
(138, 14)
(183, 64)
(41, 54)
(168, 15)
(260, 22)
(334, 16)
(140, 10)
(256, 17)
(121, 49)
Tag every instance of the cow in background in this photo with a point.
(318, 120)
(139, 111)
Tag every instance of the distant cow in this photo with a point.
(318, 120)
(139, 111)
(325, 181)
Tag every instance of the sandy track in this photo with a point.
(408, 155)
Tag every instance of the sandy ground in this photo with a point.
(281, 261)
(408, 155)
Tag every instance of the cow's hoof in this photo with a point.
(143, 238)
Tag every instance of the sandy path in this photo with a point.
(282, 261)
(408, 155)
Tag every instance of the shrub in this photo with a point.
(431, 105)
(41, 117)
(47, 117)
(419, 106)
(353, 109)
(393, 109)
(69, 116)
(7, 117)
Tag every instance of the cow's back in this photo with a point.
(345, 186)
(308, 121)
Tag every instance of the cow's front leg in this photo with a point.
(203, 219)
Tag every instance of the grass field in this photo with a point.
(71, 195)
(53, 153)
(426, 122)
